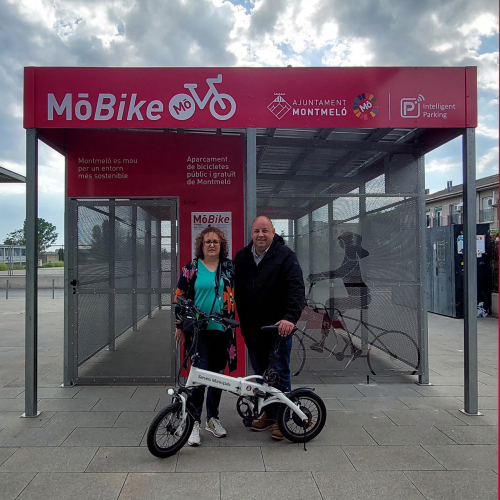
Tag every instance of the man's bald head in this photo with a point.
(262, 233)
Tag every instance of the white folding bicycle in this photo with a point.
(301, 415)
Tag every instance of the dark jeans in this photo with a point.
(259, 352)
(212, 348)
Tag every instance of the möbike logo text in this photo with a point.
(211, 219)
(128, 107)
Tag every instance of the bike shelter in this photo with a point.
(334, 156)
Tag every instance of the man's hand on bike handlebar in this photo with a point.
(285, 327)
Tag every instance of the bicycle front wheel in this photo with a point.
(167, 433)
(393, 352)
(229, 107)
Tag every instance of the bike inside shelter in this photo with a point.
(343, 183)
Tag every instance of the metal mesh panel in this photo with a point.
(357, 236)
(93, 318)
(123, 247)
(93, 247)
(125, 254)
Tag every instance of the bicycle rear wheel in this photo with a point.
(297, 355)
(393, 352)
(291, 426)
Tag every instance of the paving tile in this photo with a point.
(194, 486)
(10, 392)
(14, 419)
(49, 459)
(283, 485)
(444, 485)
(64, 485)
(240, 436)
(135, 419)
(72, 419)
(129, 459)
(465, 457)
(488, 417)
(104, 436)
(33, 437)
(387, 390)
(338, 391)
(150, 392)
(128, 404)
(338, 436)
(5, 453)
(408, 435)
(13, 483)
(391, 458)
(333, 404)
(484, 403)
(417, 417)
(60, 404)
(216, 459)
(472, 434)
(122, 392)
(432, 402)
(357, 419)
(370, 404)
(441, 390)
(53, 392)
(317, 458)
(11, 404)
(439, 380)
(373, 485)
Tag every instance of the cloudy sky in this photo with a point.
(239, 33)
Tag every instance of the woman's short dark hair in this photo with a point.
(224, 250)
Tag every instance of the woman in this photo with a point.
(208, 280)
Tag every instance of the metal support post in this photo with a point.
(111, 268)
(251, 181)
(31, 332)
(148, 263)
(70, 297)
(310, 244)
(7, 291)
(158, 244)
(363, 313)
(470, 274)
(134, 268)
(423, 378)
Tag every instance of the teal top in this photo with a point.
(204, 294)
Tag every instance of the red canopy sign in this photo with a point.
(250, 97)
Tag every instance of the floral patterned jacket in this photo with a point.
(185, 287)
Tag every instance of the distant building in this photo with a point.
(47, 257)
(12, 254)
(446, 207)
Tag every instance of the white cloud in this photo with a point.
(441, 165)
(488, 161)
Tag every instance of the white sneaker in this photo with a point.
(194, 438)
(215, 427)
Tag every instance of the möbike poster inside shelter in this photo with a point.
(205, 173)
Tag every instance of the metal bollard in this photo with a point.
(52, 287)
(7, 291)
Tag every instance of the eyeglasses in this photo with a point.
(210, 242)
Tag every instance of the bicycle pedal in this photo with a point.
(317, 347)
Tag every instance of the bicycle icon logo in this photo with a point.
(183, 106)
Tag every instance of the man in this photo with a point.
(269, 290)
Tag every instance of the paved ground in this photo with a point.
(387, 440)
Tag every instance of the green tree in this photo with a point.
(60, 252)
(46, 235)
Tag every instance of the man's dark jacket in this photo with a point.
(267, 293)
